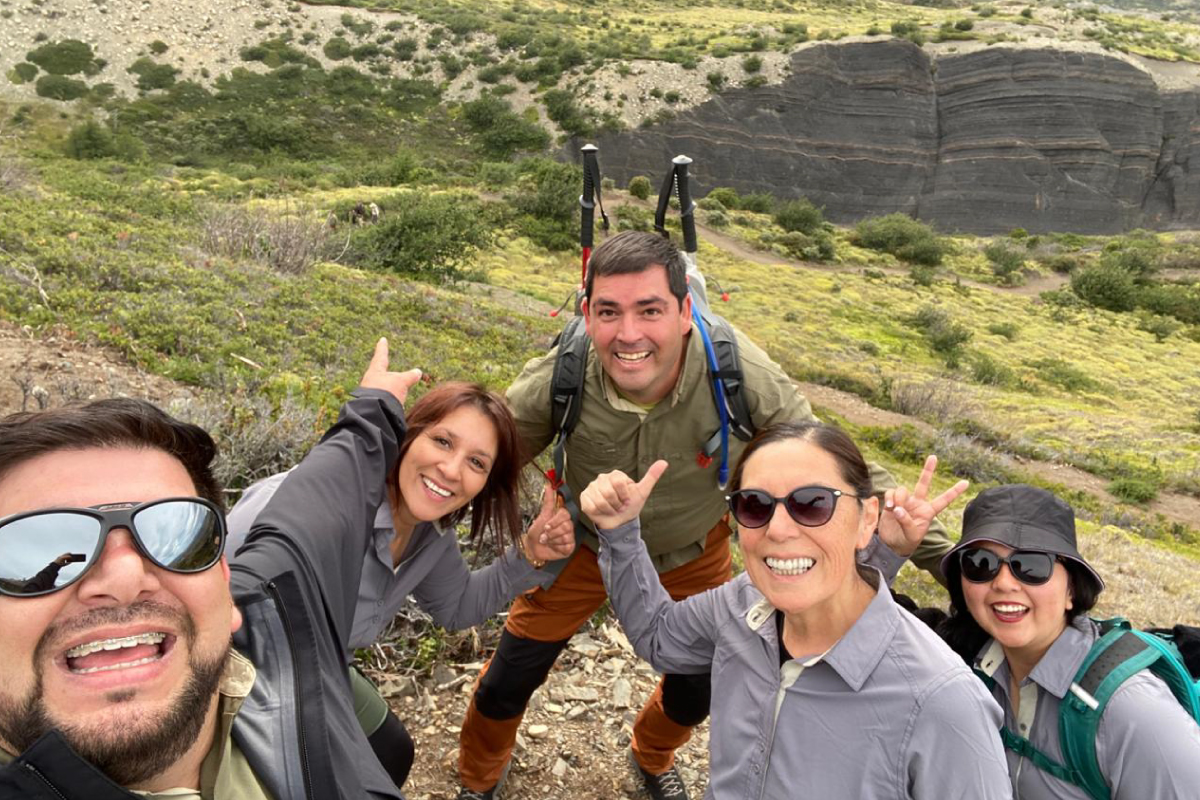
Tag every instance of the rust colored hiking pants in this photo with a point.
(540, 623)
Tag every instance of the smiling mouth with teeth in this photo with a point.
(433, 487)
(633, 357)
(105, 655)
(789, 566)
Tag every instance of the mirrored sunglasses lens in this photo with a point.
(980, 566)
(181, 535)
(811, 506)
(752, 508)
(1031, 568)
(46, 551)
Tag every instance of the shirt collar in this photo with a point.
(1056, 671)
(854, 656)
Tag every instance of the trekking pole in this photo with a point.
(587, 219)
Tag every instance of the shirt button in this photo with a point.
(1024, 727)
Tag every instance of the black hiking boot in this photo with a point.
(491, 794)
(667, 786)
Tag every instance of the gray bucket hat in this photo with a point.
(1024, 518)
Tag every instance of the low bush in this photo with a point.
(990, 372)
(337, 49)
(501, 132)
(757, 202)
(1105, 286)
(903, 237)
(799, 215)
(562, 108)
(1008, 330)
(89, 139)
(429, 236)
(68, 57)
(1006, 262)
(944, 335)
(1062, 263)
(1133, 490)
(58, 87)
(727, 197)
(288, 243)
(1062, 374)
(1158, 326)
(752, 64)
(639, 187)
(547, 201)
(152, 75)
(23, 73)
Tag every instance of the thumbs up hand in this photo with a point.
(614, 498)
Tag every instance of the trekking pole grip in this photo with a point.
(687, 208)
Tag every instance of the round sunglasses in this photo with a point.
(47, 550)
(810, 506)
(1031, 567)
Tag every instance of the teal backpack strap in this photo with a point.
(1116, 656)
(1023, 747)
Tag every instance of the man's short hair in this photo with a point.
(636, 251)
(118, 422)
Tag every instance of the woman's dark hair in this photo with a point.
(966, 637)
(116, 422)
(496, 507)
(830, 438)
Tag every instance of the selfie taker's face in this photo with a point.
(124, 661)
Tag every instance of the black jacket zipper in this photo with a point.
(287, 627)
(45, 780)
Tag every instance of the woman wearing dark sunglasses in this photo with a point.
(1019, 596)
(822, 685)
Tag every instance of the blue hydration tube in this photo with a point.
(718, 393)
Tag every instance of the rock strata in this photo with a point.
(986, 140)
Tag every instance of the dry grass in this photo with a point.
(286, 242)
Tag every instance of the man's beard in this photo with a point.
(132, 755)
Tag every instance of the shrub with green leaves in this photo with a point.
(547, 202)
(562, 108)
(727, 197)
(758, 202)
(1006, 262)
(1058, 372)
(337, 49)
(1133, 490)
(799, 215)
(639, 187)
(944, 335)
(430, 236)
(89, 139)
(990, 372)
(1008, 330)
(902, 236)
(1105, 286)
(752, 64)
(68, 57)
(152, 75)
(501, 132)
(158, 47)
(23, 73)
(60, 87)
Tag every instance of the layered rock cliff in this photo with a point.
(1041, 138)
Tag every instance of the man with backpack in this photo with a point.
(646, 395)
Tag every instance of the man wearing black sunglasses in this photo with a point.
(134, 660)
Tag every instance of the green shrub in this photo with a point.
(1027, 13)
(561, 107)
(547, 202)
(752, 64)
(337, 49)
(367, 51)
(497, 174)
(405, 49)
(430, 236)
(152, 75)
(1062, 263)
(23, 73)
(158, 47)
(944, 335)
(500, 131)
(903, 237)
(726, 196)
(757, 202)
(1133, 490)
(1160, 327)
(799, 215)
(964, 25)
(68, 57)
(1006, 262)
(990, 372)
(1008, 330)
(1105, 286)
(59, 87)
(89, 139)
(922, 275)
(639, 187)
(1059, 373)
(716, 81)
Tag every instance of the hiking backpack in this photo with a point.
(1117, 655)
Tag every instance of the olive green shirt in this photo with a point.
(615, 434)
(225, 773)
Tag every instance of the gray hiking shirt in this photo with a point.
(432, 568)
(1147, 746)
(887, 712)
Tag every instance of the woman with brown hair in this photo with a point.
(460, 456)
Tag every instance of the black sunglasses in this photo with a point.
(1032, 567)
(810, 506)
(47, 550)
